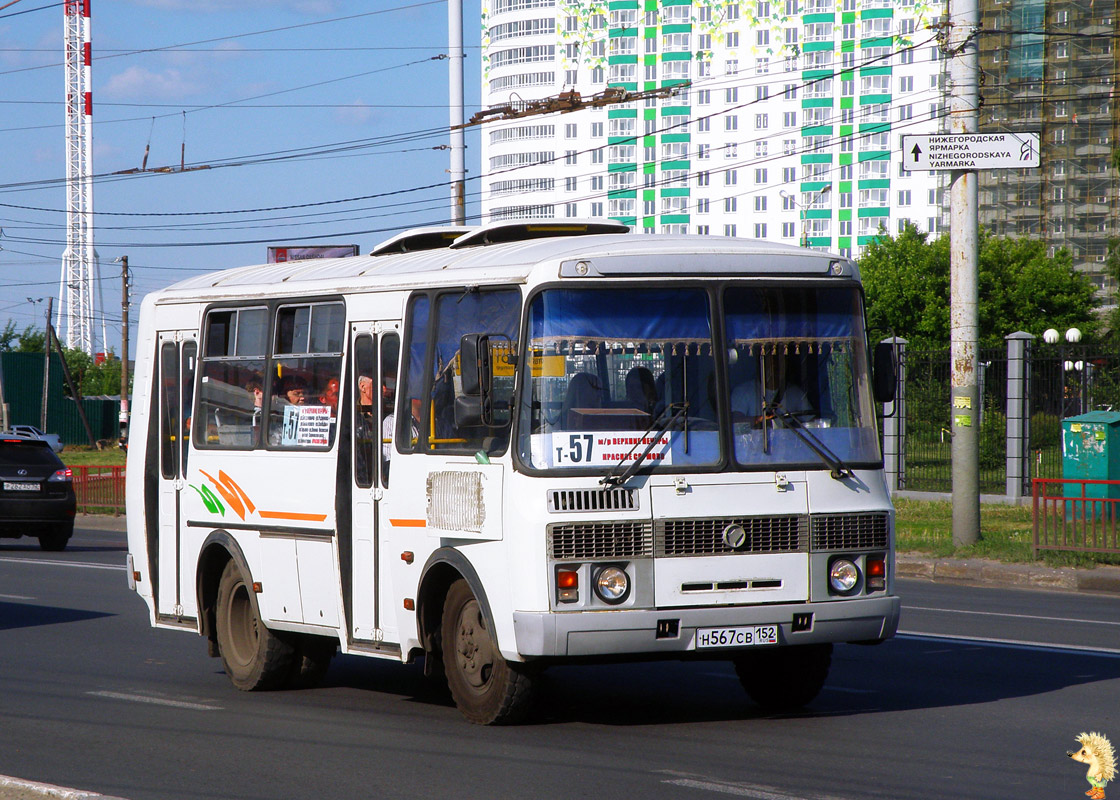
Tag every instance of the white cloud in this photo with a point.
(141, 83)
(357, 113)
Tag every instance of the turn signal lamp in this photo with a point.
(567, 586)
(876, 573)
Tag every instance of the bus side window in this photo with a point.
(390, 356)
(411, 389)
(169, 383)
(365, 418)
(190, 351)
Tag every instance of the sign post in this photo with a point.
(970, 151)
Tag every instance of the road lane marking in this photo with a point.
(15, 597)
(755, 791)
(52, 563)
(35, 789)
(1013, 616)
(155, 700)
(1018, 643)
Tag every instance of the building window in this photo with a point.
(760, 230)
(731, 122)
(760, 176)
(789, 230)
(760, 203)
(730, 230)
(731, 177)
(702, 205)
(761, 121)
(730, 204)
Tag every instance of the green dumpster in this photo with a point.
(1091, 451)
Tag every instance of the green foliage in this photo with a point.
(906, 278)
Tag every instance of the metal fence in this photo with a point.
(1064, 381)
(99, 490)
(1076, 515)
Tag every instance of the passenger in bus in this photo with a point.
(329, 396)
(584, 392)
(295, 391)
(641, 389)
(363, 432)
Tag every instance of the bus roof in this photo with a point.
(601, 254)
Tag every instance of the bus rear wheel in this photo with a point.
(254, 657)
(784, 678)
(487, 689)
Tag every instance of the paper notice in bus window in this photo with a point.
(598, 449)
(306, 426)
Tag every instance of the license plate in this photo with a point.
(19, 486)
(736, 637)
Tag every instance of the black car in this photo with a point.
(36, 492)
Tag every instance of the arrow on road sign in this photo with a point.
(917, 151)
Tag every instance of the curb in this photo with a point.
(100, 522)
(994, 573)
(18, 789)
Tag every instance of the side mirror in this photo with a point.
(474, 406)
(474, 364)
(884, 378)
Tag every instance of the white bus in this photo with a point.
(513, 446)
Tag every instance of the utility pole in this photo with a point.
(124, 347)
(46, 365)
(964, 323)
(455, 95)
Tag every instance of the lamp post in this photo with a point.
(1073, 336)
(123, 261)
(804, 207)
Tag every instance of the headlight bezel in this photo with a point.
(844, 576)
(614, 571)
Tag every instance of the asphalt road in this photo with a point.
(979, 697)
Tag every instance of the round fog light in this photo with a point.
(612, 585)
(843, 575)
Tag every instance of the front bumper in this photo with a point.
(619, 632)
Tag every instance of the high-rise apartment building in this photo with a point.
(1052, 66)
(785, 123)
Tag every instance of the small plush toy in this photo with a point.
(1096, 751)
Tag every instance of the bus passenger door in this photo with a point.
(177, 355)
(375, 352)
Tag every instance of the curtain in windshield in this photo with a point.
(607, 367)
(798, 375)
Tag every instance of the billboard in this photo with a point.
(280, 254)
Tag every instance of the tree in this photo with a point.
(906, 278)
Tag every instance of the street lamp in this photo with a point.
(1073, 336)
(803, 207)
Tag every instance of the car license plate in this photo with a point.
(736, 637)
(20, 486)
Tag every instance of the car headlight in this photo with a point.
(612, 585)
(843, 575)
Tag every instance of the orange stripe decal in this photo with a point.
(408, 523)
(292, 515)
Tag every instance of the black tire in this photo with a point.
(254, 657)
(56, 539)
(311, 658)
(487, 689)
(784, 678)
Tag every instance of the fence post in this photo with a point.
(894, 423)
(1018, 412)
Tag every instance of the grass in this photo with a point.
(922, 526)
(86, 456)
(1006, 534)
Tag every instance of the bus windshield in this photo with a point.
(607, 368)
(798, 376)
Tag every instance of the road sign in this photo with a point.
(970, 151)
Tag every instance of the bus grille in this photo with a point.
(592, 500)
(595, 540)
(704, 537)
(850, 531)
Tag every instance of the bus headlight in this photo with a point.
(612, 585)
(843, 575)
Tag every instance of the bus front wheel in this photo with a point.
(254, 657)
(487, 689)
(784, 678)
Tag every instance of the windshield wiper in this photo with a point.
(614, 477)
(838, 469)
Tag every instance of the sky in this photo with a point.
(298, 122)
